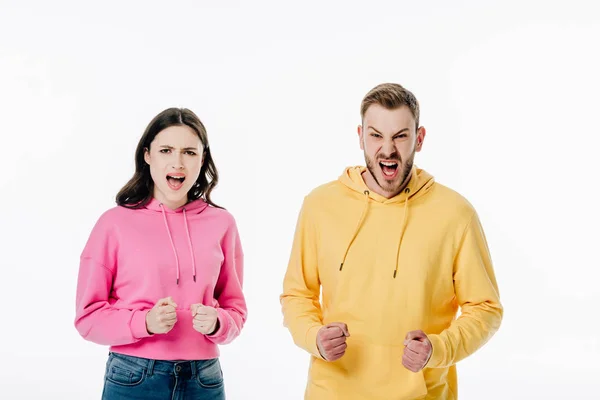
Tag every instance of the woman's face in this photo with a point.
(175, 158)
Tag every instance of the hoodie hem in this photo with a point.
(207, 353)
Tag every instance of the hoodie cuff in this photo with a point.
(311, 341)
(138, 324)
(438, 353)
(223, 324)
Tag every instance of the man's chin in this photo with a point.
(390, 188)
(389, 184)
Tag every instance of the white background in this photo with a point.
(509, 95)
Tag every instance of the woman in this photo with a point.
(160, 278)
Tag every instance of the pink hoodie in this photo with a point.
(133, 258)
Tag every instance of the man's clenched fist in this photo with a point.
(331, 340)
(417, 351)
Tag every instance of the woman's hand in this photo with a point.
(206, 319)
(162, 317)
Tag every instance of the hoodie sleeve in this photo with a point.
(302, 313)
(232, 310)
(96, 319)
(477, 294)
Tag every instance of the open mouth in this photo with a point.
(389, 168)
(175, 181)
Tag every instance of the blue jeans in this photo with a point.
(130, 377)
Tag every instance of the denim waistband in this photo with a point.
(177, 368)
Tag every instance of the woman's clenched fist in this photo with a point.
(206, 319)
(162, 317)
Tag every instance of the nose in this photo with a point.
(388, 148)
(178, 161)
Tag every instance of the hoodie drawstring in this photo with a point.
(187, 230)
(402, 229)
(360, 221)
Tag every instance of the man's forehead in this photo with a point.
(378, 115)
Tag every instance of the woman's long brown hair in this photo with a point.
(138, 191)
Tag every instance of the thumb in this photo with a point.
(167, 301)
(342, 326)
(414, 335)
(194, 308)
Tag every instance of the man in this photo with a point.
(395, 254)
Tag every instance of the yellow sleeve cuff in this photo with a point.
(438, 353)
(311, 341)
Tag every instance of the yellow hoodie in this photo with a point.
(387, 267)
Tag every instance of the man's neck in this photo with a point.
(374, 186)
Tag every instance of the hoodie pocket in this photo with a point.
(369, 370)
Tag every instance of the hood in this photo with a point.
(193, 207)
(419, 184)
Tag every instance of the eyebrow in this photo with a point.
(400, 131)
(166, 146)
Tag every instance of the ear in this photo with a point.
(360, 137)
(420, 138)
(147, 156)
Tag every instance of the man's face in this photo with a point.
(389, 139)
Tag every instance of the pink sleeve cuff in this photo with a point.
(138, 324)
(223, 324)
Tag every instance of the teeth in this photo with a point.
(389, 164)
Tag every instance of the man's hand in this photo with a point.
(205, 318)
(162, 317)
(417, 350)
(331, 341)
